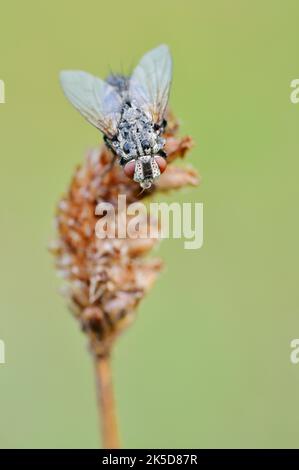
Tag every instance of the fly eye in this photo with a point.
(145, 144)
(126, 147)
(162, 164)
(129, 169)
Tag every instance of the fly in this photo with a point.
(129, 111)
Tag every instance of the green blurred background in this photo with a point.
(207, 362)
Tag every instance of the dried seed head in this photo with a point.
(107, 278)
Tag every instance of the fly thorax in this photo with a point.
(137, 136)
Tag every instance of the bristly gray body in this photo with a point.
(130, 111)
(137, 138)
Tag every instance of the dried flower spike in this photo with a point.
(105, 279)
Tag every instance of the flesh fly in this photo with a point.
(129, 111)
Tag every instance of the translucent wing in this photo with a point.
(95, 99)
(150, 82)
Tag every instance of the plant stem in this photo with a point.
(106, 403)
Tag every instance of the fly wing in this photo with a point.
(150, 83)
(95, 99)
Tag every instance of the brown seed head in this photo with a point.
(107, 278)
